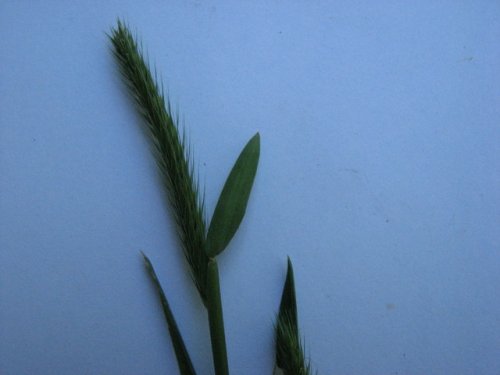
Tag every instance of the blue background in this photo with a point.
(379, 176)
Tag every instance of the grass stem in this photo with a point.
(216, 320)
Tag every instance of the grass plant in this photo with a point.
(201, 246)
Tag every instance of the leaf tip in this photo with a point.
(256, 139)
(147, 262)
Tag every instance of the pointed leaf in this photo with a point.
(233, 199)
(183, 359)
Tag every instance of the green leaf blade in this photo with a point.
(233, 199)
(181, 353)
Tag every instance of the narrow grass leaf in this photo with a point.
(233, 199)
(181, 353)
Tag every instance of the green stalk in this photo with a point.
(216, 320)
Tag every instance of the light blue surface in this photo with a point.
(379, 176)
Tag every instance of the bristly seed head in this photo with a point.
(290, 357)
(171, 151)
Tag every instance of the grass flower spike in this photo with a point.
(290, 357)
(170, 149)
